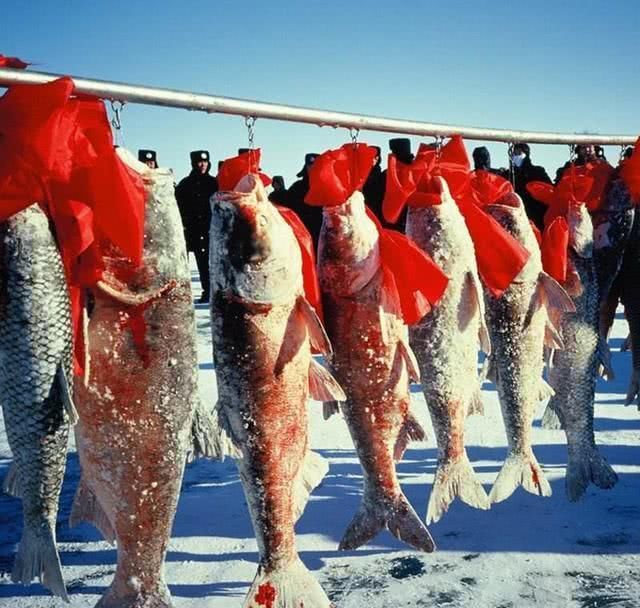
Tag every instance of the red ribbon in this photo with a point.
(58, 150)
(234, 169)
(555, 249)
(12, 62)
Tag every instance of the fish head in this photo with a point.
(580, 229)
(509, 212)
(254, 254)
(348, 249)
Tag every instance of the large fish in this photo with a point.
(612, 223)
(446, 343)
(519, 319)
(374, 363)
(574, 369)
(136, 409)
(263, 328)
(35, 368)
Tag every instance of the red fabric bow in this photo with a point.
(59, 151)
(630, 173)
(235, 168)
(12, 62)
(576, 186)
(555, 249)
(336, 174)
(488, 188)
(309, 275)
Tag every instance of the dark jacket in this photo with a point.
(311, 216)
(522, 175)
(373, 191)
(401, 224)
(193, 194)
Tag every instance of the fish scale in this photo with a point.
(35, 347)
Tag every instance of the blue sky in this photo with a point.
(558, 66)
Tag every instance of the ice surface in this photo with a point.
(528, 551)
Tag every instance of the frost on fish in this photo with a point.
(519, 322)
(446, 343)
(262, 327)
(136, 409)
(574, 370)
(35, 365)
(373, 362)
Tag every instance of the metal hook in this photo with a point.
(116, 108)
(353, 133)
(438, 143)
(250, 122)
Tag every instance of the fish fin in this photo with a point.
(329, 408)
(634, 388)
(604, 356)
(455, 479)
(208, 439)
(123, 295)
(410, 359)
(551, 419)
(285, 587)
(519, 470)
(398, 517)
(317, 335)
(573, 284)
(476, 405)
(545, 390)
(158, 596)
(552, 337)
(411, 430)
(626, 345)
(87, 508)
(584, 468)
(555, 295)
(65, 394)
(225, 443)
(37, 556)
(314, 468)
(489, 371)
(322, 385)
(11, 484)
(476, 306)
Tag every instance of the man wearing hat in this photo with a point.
(193, 194)
(294, 199)
(149, 158)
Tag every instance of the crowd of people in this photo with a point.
(194, 191)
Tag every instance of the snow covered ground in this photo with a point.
(527, 551)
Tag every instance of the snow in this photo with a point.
(526, 551)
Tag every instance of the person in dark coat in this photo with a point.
(524, 171)
(279, 192)
(193, 194)
(149, 158)
(482, 162)
(294, 199)
(373, 189)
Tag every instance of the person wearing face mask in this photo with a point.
(193, 194)
(524, 171)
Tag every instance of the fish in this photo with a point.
(612, 223)
(373, 362)
(520, 320)
(36, 344)
(445, 342)
(573, 373)
(137, 405)
(263, 329)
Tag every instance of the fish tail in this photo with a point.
(153, 598)
(87, 508)
(455, 479)
(519, 469)
(633, 392)
(588, 466)
(545, 390)
(288, 586)
(397, 516)
(476, 405)
(208, 439)
(312, 472)
(329, 408)
(11, 484)
(37, 556)
(626, 345)
(411, 431)
(550, 418)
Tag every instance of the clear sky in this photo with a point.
(546, 65)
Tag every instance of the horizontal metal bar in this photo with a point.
(243, 107)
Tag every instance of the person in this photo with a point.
(373, 189)
(599, 151)
(193, 194)
(524, 171)
(585, 153)
(149, 158)
(278, 194)
(294, 199)
(482, 162)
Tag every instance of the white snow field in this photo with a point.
(526, 551)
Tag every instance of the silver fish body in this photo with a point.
(574, 369)
(445, 343)
(137, 406)
(35, 366)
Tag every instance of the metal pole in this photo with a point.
(228, 105)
